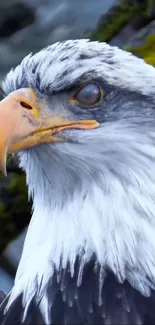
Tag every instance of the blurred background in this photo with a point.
(29, 25)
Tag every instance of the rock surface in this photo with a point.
(29, 25)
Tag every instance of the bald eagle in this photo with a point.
(80, 117)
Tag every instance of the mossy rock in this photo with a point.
(150, 60)
(117, 17)
(15, 210)
(146, 50)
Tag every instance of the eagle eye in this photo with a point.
(89, 95)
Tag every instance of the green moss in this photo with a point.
(117, 17)
(150, 60)
(18, 184)
(147, 7)
(7, 228)
(112, 23)
(18, 189)
(15, 211)
(146, 50)
(3, 213)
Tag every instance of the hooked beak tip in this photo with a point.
(3, 170)
(3, 156)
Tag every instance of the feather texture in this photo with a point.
(90, 303)
(89, 254)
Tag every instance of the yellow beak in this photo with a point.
(22, 127)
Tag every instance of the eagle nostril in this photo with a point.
(25, 105)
